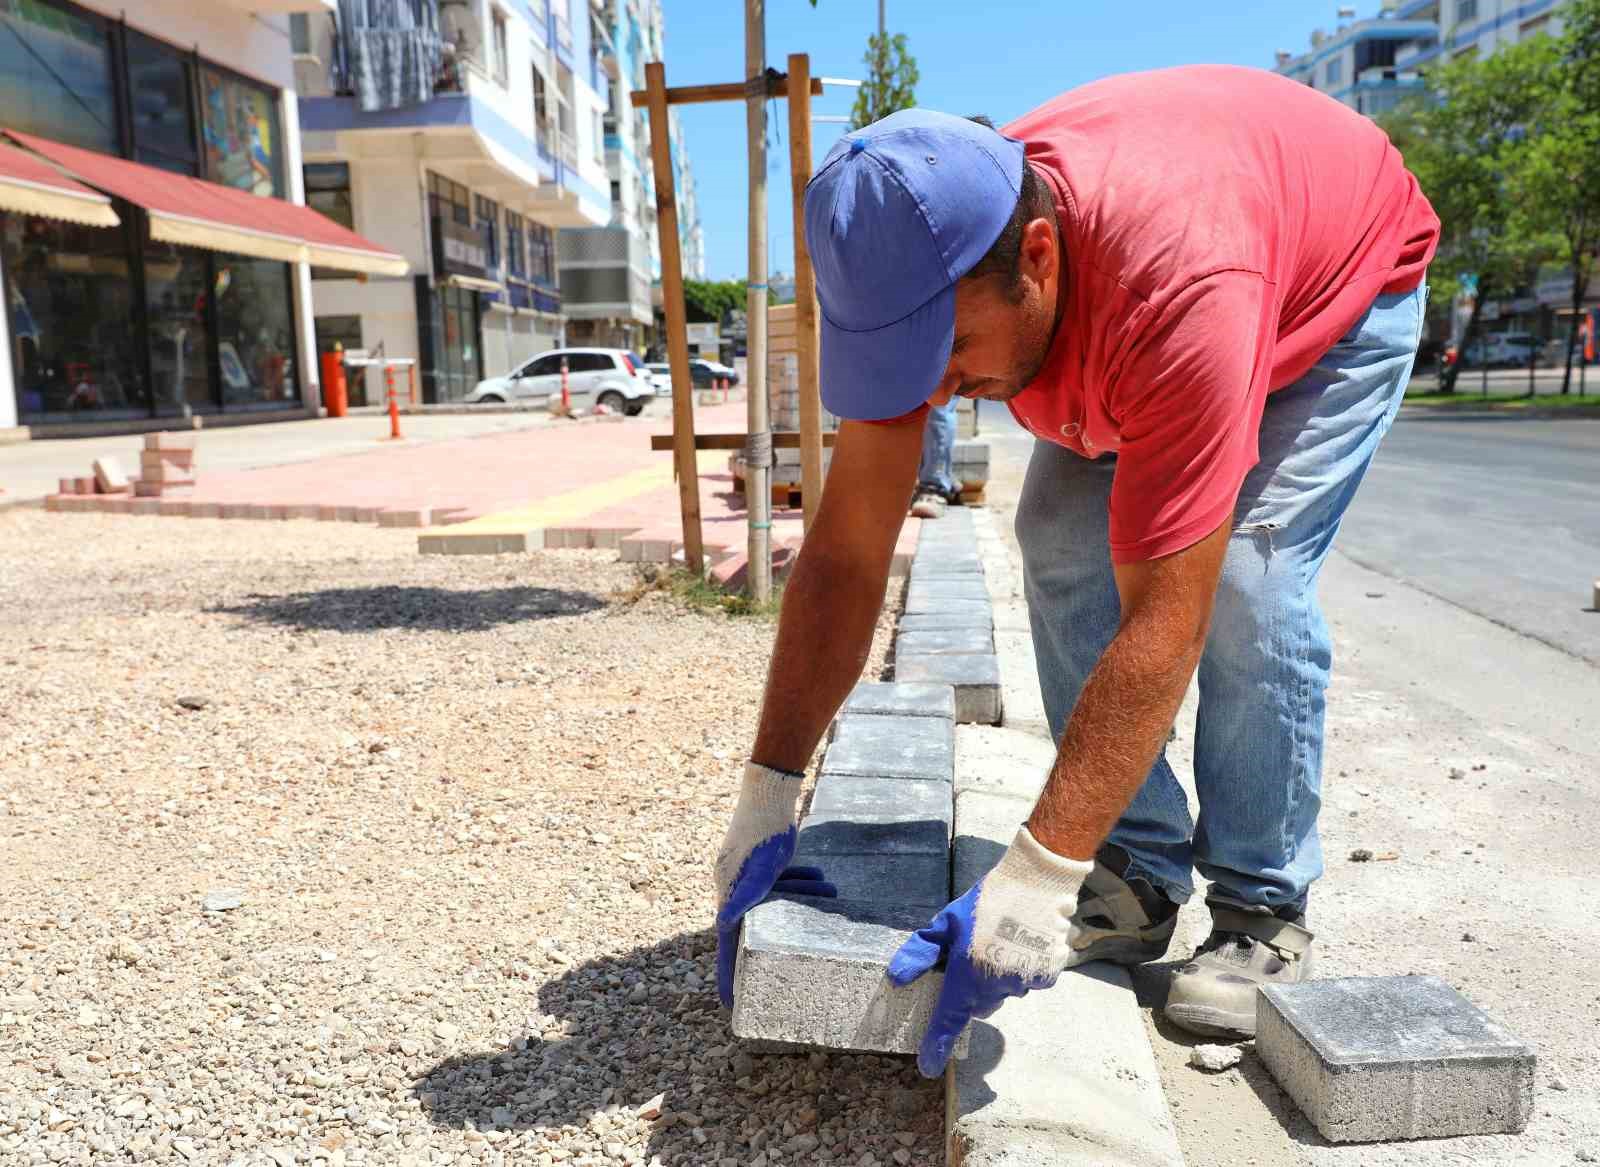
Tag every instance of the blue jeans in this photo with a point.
(937, 468)
(1259, 730)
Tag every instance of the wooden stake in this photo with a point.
(805, 288)
(734, 91)
(677, 332)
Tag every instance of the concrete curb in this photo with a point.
(1065, 1076)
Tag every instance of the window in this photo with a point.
(1333, 71)
(541, 254)
(55, 75)
(599, 138)
(299, 34)
(1466, 10)
(488, 222)
(541, 109)
(328, 191)
(255, 333)
(502, 55)
(546, 366)
(589, 363)
(616, 191)
(241, 133)
(516, 254)
(161, 83)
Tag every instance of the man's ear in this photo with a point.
(1039, 249)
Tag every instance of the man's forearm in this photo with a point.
(1122, 717)
(830, 608)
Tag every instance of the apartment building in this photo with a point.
(607, 272)
(1372, 64)
(463, 134)
(155, 249)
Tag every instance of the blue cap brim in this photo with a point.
(888, 371)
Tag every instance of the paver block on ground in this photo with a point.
(910, 798)
(930, 595)
(901, 699)
(871, 745)
(1001, 759)
(1377, 1058)
(910, 880)
(444, 543)
(811, 971)
(887, 833)
(971, 616)
(975, 678)
(944, 640)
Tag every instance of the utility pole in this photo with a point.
(758, 443)
(880, 18)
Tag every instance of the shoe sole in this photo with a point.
(1210, 1022)
(1121, 950)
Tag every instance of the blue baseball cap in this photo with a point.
(897, 214)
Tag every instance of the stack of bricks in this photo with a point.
(166, 464)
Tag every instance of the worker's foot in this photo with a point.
(1215, 993)
(1125, 921)
(929, 504)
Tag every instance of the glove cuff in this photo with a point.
(1024, 910)
(768, 795)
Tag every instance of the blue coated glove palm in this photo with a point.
(754, 860)
(1003, 938)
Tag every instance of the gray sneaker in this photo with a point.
(929, 504)
(1215, 993)
(1123, 921)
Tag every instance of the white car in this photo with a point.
(661, 377)
(612, 377)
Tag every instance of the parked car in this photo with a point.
(706, 373)
(1500, 349)
(661, 377)
(612, 377)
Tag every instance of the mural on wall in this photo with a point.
(241, 134)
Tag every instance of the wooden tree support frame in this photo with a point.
(656, 98)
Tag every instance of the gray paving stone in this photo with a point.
(901, 699)
(1380, 1058)
(886, 834)
(883, 746)
(967, 640)
(915, 880)
(931, 595)
(907, 798)
(1062, 1076)
(972, 617)
(922, 605)
(985, 826)
(1001, 759)
(975, 678)
(811, 971)
(956, 569)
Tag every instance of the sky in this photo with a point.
(995, 57)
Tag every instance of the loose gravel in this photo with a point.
(318, 851)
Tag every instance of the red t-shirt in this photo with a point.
(1224, 227)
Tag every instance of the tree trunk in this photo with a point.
(1580, 285)
(1447, 383)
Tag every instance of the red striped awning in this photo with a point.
(31, 186)
(194, 213)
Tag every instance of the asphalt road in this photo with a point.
(1497, 515)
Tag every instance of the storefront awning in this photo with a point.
(193, 213)
(31, 187)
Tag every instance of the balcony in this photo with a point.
(1417, 53)
(604, 275)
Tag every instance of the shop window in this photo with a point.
(55, 75)
(163, 126)
(242, 142)
(180, 360)
(255, 333)
(70, 305)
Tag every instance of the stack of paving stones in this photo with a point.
(166, 464)
(810, 970)
(1372, 1059)
(946, 634)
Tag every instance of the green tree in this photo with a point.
(1555, 181)
(709, 301)
(891, 82)
(1463, 139)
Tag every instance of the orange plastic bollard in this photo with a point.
(394, 402)
(335, 393)
(411, 383)
(724, 381)
(566, 396)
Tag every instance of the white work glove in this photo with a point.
(1004, 937)
(754, 860)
